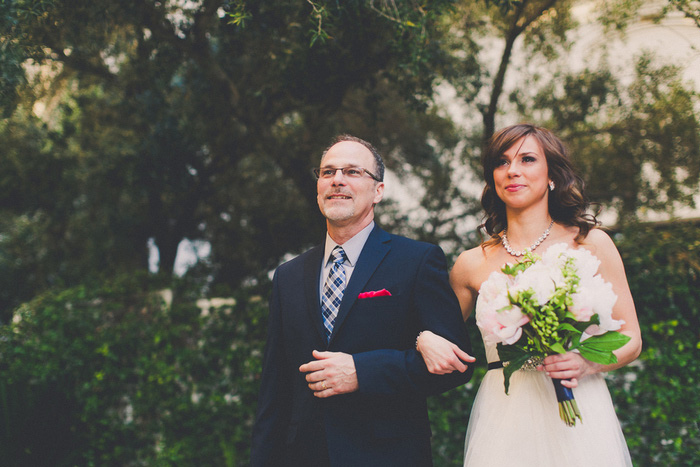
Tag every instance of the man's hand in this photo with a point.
(332, 373)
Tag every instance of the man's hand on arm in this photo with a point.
(332, 373)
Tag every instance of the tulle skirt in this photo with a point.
(523, 428)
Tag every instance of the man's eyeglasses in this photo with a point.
(349, 172)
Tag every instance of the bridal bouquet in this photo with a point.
(546, 306)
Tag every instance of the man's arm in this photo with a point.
(389, 371)
(273, 401)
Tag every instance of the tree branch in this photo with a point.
(519, 24)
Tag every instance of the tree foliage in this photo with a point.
(542, 24)
(201, 121)
(167, 121)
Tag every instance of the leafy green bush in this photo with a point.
(115, 376)
(656, 397)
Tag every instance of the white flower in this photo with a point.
(493, 293)
(494, 286)
(495, 332)
(500, 321)
(608, 323)
(541, 278)
(554, 252)
(596, 296)
(596, 330)
(585, 263)
(511, 320)
(582, 307)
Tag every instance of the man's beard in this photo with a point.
(339, 213)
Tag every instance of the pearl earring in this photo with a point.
(551, 185)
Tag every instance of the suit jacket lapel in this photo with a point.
(374, 251)
(312, 278)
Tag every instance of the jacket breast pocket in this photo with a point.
(385, 319)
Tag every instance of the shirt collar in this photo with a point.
(352, 247)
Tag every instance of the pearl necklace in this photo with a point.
(512, 252)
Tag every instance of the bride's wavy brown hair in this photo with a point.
(568, 204)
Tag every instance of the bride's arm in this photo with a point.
(440, 355)
(571, 365)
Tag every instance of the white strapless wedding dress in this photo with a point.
(523, 428)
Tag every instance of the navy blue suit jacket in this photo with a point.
(385, 423)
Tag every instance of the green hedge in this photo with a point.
(657, 397)
(114, 375)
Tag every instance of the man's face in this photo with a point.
(347, 201)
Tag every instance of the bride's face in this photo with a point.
(521, 175)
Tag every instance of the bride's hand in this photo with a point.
(440, 355)
(568, 367)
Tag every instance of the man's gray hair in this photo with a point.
(379, 162)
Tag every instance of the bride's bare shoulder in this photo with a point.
(472, 258)
(599, 242)
(471, 266)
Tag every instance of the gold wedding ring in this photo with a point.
(323, 385)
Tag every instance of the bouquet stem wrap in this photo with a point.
(568, 408)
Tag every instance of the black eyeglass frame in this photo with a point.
(317, 172)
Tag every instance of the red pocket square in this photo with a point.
(375, 293)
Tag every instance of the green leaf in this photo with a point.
(575, 341)
(611, 340)
(567, 327)
(512, 367)
(509, 353)
(604, 357)
(512, 270)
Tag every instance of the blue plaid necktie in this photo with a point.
(333, 290)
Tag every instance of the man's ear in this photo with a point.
(379, 192)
